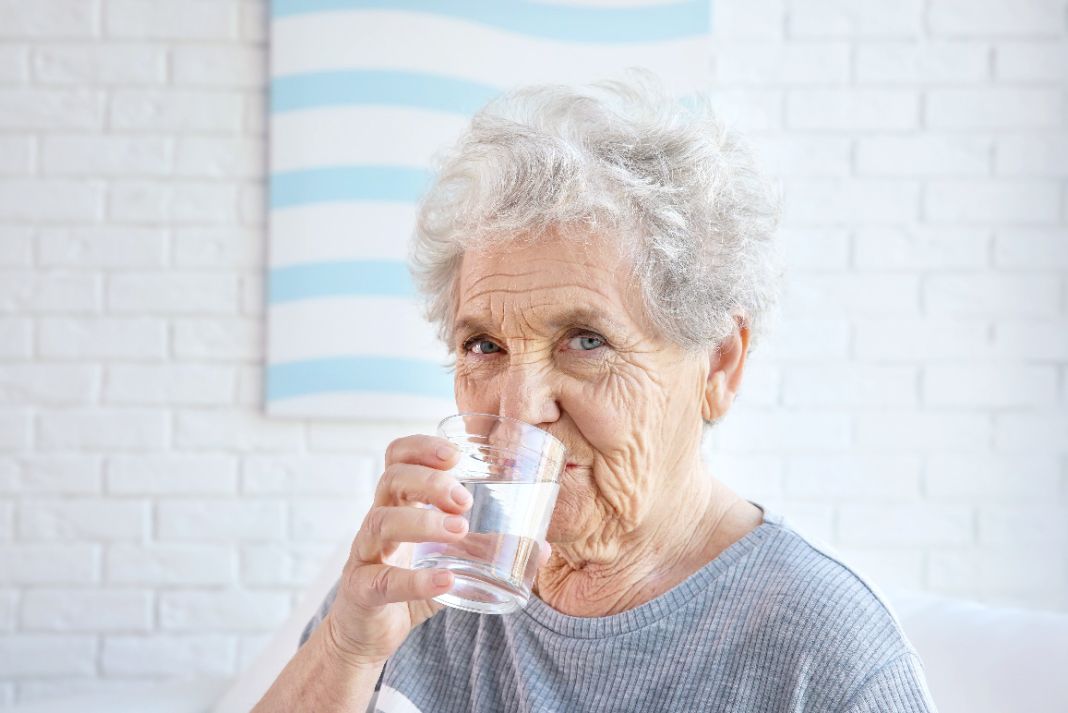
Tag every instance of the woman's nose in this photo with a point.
(528, 395)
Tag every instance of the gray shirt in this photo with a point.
(774, 624)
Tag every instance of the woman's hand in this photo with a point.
(379, 601)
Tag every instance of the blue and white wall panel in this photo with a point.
(363, 94)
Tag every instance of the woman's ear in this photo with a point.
(726, 367)
(711, 404)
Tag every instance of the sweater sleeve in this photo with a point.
(899, 686)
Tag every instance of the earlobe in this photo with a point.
(726, 363)
(710, 404)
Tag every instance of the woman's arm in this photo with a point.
(320, 678)
(378, 599)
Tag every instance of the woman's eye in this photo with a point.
(483, 346)
(585, 342)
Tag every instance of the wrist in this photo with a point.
(336, 650)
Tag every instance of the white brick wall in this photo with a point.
(911, 408)
(919, 376)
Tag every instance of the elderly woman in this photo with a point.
(601, 262)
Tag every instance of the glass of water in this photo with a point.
(512, 470)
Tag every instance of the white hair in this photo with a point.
(679, 194)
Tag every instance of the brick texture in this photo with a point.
(911, 406)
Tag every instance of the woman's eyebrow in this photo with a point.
(582, 316)
(465, 325)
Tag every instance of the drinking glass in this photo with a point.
(512, 470)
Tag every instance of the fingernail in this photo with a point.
(460, 496)
(440, 578)
(455, 523)
(446, 452)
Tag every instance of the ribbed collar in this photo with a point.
(578, 627)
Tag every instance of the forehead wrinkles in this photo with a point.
(568, 271)
(540, 309)
(515, 293)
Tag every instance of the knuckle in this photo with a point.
(417, 486)
(392, 451)
(424, 484)
(355, 553)
(352, 563)
(445, 484)
(433, 481)
(402, 486)
(382, 486)
(378, 584)
(388, 476)
(431, 521)
(376, 521)
(350, 581)
(355, 585)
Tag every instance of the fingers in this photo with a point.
(431, 451)
(407, 483)
(409, 524)
(386, 527)
(380, 584)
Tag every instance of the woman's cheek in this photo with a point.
(606, 427)
(474, 394)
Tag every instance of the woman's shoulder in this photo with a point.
(801, 586)
(840, 634)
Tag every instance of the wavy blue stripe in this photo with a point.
(348, 183)
(648, 23)
(388, 278)
(358, 373)
(366, 86)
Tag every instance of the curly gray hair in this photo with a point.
(680, 194)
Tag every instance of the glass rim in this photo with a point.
(525, 424)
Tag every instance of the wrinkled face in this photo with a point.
(555, 334)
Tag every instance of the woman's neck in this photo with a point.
(685, 536)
